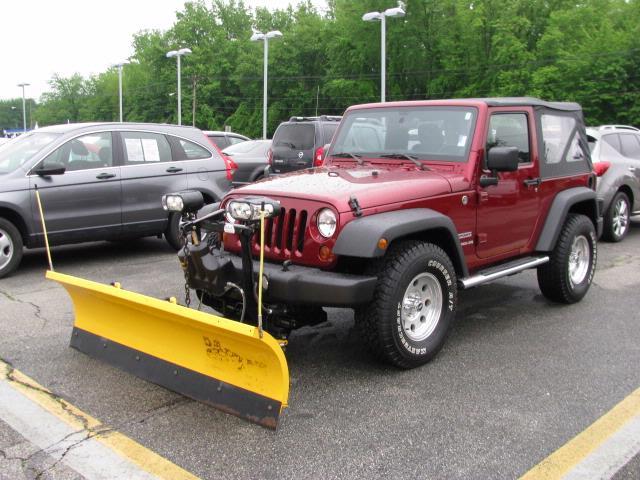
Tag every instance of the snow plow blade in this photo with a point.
(217, 361)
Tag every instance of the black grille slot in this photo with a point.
(279, 222)
(290, 223)
(302, 227)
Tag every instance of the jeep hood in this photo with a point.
(371, 186)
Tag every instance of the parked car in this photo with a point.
(224, 139)
(101, 181)
(250, 158)
(299, 143)
(616, 157)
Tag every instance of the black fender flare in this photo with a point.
(359, 237)
(559, 210)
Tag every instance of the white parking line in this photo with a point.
(611, 456)
(74, 438)
(74, 448)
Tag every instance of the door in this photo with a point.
(630, 143)
(84, 203)
(148, 172)
(507, 212)
(292, 147)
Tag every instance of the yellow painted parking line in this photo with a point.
(563, 460)
(131, 450)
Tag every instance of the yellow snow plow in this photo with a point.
(233, 366)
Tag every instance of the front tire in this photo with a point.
(414, 305)
(10, 247)
(172, 233)
(568, 275)
(616, 219)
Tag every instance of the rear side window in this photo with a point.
(193, 151)
(234, 140)
(141, 148)
(510, 130)
(327, 133)
(295, 136)
(630, 145)
(614, 141)
(565, 150)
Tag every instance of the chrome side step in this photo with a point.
(485, 276)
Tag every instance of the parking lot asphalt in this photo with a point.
(518, 378)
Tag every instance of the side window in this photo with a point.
(234, 140)
(141, 148)
(564, 147)
(630, 145)
(510, 130)
(327, 133)
(82, 153)
(193, 151)
(614, 141)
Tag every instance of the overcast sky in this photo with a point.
(42, 37)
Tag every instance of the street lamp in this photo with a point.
(381, 17)
(120, 65)
(257, 37)
(24, 109)
(178, 54)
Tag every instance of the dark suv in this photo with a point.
(299, 143)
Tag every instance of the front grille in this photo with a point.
(284, 234)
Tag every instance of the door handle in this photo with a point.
(533, 182)
(104, 176)
(174, 169)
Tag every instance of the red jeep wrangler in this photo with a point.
(416, 201)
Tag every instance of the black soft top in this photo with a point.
(529, 101)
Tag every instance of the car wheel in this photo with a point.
(414, 304)
(566, 278)
(172, 233)
(10, 247)
(616, 219)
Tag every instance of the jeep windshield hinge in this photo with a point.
(355, 206)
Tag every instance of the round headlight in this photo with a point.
(326, 222)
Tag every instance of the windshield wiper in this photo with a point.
(404, 155)
(355, 156)
(287, 144)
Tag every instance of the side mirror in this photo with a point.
(51, 168)
(503, 159)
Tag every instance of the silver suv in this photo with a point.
(101, 181)
(615, 151)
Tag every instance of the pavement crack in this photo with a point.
(36, 307)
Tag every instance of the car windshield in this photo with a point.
(20, 151)
(424, 133)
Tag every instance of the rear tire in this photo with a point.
(568, 275)
(414, 305)
(172, 233)
(616, 219)
(10, 247)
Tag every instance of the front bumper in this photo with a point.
(296, 285)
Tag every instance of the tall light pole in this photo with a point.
(24, 109)
(257, 37)
(178, 54)
(381, 17)
(120, 65)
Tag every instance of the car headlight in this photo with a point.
(248, 209)
(188, 202)
(326, 222)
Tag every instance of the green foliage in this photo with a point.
(583, 51)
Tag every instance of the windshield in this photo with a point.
(425, 133)
(19, 151)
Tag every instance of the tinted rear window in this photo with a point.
(297, 137)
